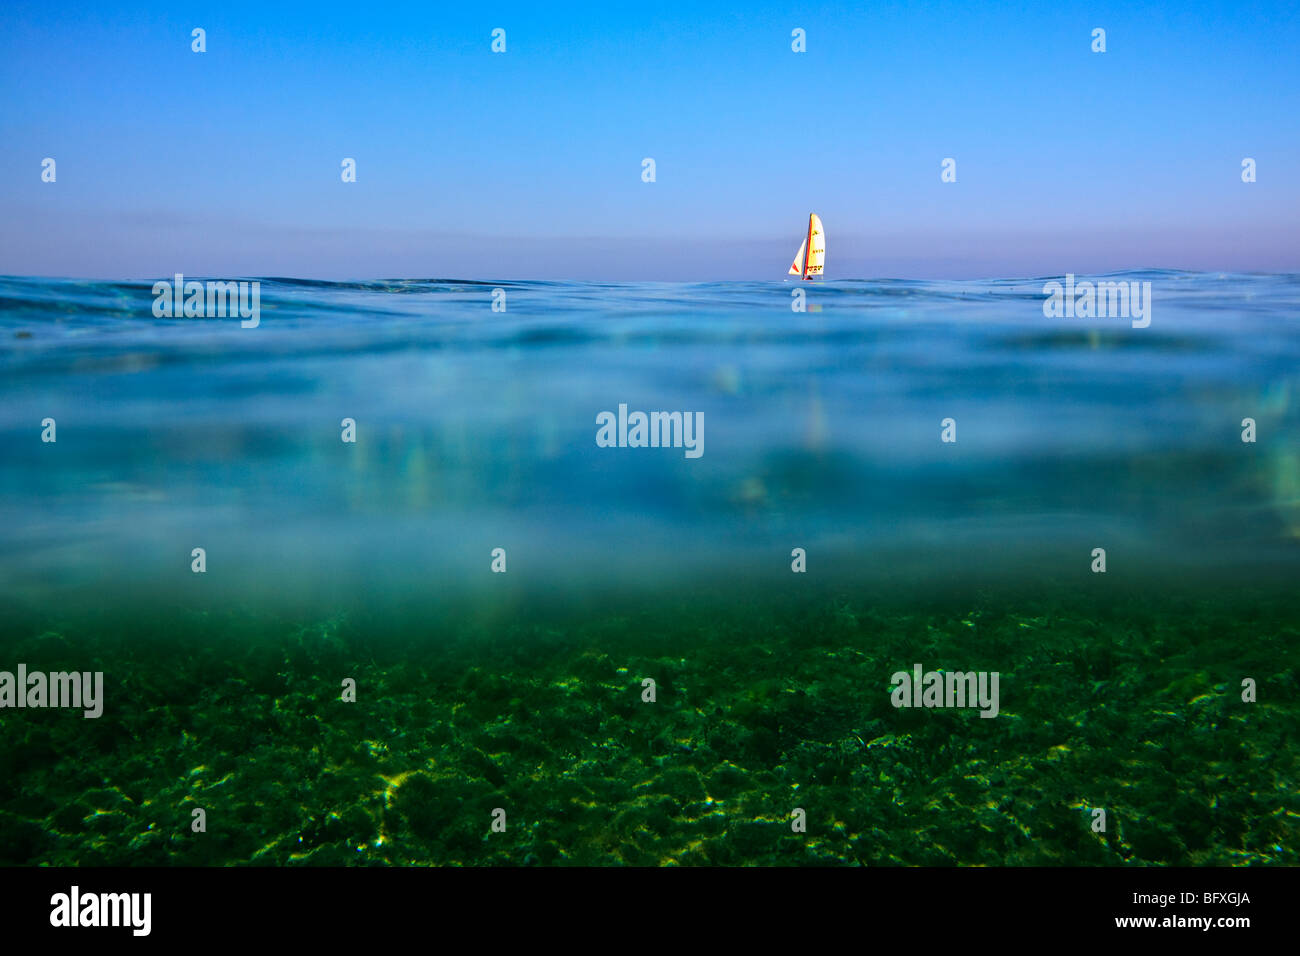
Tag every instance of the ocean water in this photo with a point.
(822, 430)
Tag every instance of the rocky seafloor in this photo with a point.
(762, 707)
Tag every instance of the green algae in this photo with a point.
(761, 707)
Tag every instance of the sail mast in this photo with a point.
(808, 254)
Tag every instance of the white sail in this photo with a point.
(817, 246)
(797, 268)
(814, 246)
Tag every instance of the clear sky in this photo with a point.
(528, 164)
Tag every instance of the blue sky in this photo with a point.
(527, 164)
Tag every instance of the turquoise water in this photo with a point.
(477, 430)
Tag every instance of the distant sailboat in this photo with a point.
(814, 244)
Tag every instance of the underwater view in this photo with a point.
(844, 572)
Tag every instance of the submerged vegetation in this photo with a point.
(761, 707)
